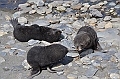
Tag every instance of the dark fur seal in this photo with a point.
(86, 38)
(25, 33)
(41, 57)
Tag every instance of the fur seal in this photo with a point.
(86, 38)
(25, 33)
(41, 57)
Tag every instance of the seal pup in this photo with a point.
(42, 57)
(86, 38)
(25, 33)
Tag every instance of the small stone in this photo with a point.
(61, 8)
(95, 77)
(91, 72)
(2, 33)
(17, 14)
(96, 63)
(2, 53)
(71, 76)
(38, 2)
(32, 11)
(6, 69)
(78, 24)
(82, 77)
(117, 6)
(41, 22)
(22, 20)
(112, 4)
(73, 54)
(41, 11)
(32, 42)
(107, 18)
(12, 51)
(114, 76)
(85, 60)
(77, 7)
(2, 60)
(21, 52)
(101, 25)
(11, 42)
(96, 13)
(108, 25)
(23, 5)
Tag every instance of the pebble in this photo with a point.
(41, 22)
(71, 76)
(108, 25)
(86, 61)
(2, 60)
(32, 42)
(61, 8)
(22, 20)
(73, 54)
(114, 76)
(78, 24)
(2, 54)
(38, 2)
(107, 18)
(91, 72)
(2, 33)
(82, 77)
(96, 13)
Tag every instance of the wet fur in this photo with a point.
(41, 57)
(25, 33)
(86, 38)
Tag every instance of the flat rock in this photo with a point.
(41, 22)
(2, 60)
(91, 72)
(37, 2)
(96, 13)
(107, 18)
(32, 42)
(108, 25)
(114, 76)
(61, 8)
(22, 20)
(71, 76)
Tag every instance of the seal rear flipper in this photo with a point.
(34, 73)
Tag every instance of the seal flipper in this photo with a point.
(15, 23)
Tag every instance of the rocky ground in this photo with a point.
(68, 16)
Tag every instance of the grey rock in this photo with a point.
(37, 2)
(61, 8)
(114, 76)
(85, 60)
(82, 77)
(112, 4)
(22, 20)
(3, 53)
(2, 60)
(107, 18)
(21, 52)
(55, 3)
(78, 24)
(96, 63)
(41, 22)
(11, 42)
(101, 24)
(6, 69)
(117, 6)
(72, 54)
(71, 76)
(87, 52)
(41, 11)
(96, 13)
(104, 56)
(67, 43)
(12, 51)
(93, 0)
(118, 56)
(32, 42)
(91, 72)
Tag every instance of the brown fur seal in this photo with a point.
(41, 57)
(86, 38)
(25, 33)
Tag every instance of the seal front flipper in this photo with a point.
(15, 23)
